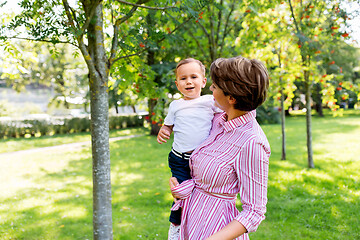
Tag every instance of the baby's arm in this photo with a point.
(164, 133)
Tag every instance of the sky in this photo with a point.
(12, 5)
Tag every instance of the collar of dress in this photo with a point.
(236, 122)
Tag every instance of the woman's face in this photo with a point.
(221, 101)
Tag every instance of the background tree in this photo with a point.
(84, 26)
(313, 23)
(265, 36)
(41, 64)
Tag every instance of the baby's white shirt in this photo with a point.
(192, 121)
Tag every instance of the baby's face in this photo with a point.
(190, 80)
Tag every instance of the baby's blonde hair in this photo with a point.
(189, 60)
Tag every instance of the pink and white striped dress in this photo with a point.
(233, 160)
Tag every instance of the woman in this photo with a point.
(233, 160)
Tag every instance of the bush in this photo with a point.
(267, 115)
(34, 127)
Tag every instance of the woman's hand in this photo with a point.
(173, 182)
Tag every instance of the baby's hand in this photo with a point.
(173, 182)
(164, 134)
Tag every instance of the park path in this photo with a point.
(67, 147)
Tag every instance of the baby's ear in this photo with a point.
(204, 82)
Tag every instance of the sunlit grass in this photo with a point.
(320, 203)
(48, 195)
(17, 144)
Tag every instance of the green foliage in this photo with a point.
(267, 115)
(31, 63)
(43, 19)
(37, 128)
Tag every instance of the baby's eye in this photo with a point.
(194, 76)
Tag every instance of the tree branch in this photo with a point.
(43, 40)
(211, 36)
(219, 23)
(70, 17)
(89, 61)
(114, 44)
(204, 30)
(91, 15)
(226, 30)
(127, 56)
(74, 14)
(177, 27)
(139, 5)
(160, 40)
(197, 42)
(293, 15)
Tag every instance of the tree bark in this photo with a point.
(155, 128)
(318, 100)
(283, 149)
(308, 119)
(102, 212)
(151, 102)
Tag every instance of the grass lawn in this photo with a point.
(17, 144)
(49, 195)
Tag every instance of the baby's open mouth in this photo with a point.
(189, 88)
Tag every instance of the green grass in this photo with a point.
(16, 144)
(48, 195)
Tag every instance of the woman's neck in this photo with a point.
(234, 113)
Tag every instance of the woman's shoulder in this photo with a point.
(252, 133)
(219, 117)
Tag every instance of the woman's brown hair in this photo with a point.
(245, 80)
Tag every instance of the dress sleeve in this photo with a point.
(252, 167)
(170, 117)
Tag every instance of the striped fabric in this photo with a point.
(233, 160)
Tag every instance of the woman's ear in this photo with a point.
(232, 100)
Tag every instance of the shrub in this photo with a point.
(267, 115)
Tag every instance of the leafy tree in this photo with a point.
(212, 33)
(314, 23)
(344, 82)
(265, 37)
(86, 25)
(41, 64)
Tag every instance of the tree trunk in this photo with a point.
(308, 119)
(151, 102)
(283, 152)
(155, 128)
(318, 100)
(283, 149)
(102, 212)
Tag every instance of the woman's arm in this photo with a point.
(252, 169)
